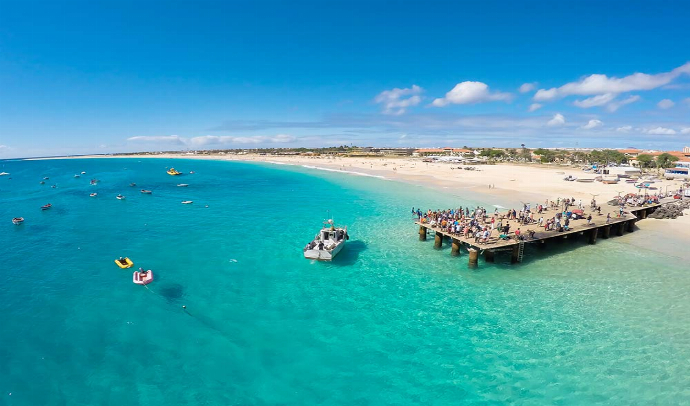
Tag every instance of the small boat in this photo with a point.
(83, 172)
(77, 176)
(588, 180)
(124, 263)
(94, 181)
(4, 173)
(46, 206)
(182, 185)
(187, 202)
(46, 178)
(18, 220)
(42, 182)
(146, 192)
(142, 277)
(120, 197)
(173, 172)
(93, 194)
(609, 180)
(132, 184)
(631, 181)
(327, 243)
(570, 178)
(54, 186)
(192, 172)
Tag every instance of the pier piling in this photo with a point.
(631, 226)
(488, 255)
(515, 254)
(438, 240)
(422, 233)
(455, 248)
(605, 231)
(620, 227)
(593, 235)
(474, 256)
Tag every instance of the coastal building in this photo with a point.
(443, 151)
(632, 154)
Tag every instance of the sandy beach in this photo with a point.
(508, 184)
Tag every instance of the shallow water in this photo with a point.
(390, 321)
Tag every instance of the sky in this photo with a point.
(81, 77)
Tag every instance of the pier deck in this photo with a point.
(598, 227)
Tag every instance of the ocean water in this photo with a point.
(390, 322)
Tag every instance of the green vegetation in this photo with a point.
(645, 161)
(666, 160)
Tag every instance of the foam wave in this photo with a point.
(343, 171)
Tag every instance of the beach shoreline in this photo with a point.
(504, 184)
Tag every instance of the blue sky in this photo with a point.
(96, 76)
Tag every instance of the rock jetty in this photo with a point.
(671, 211)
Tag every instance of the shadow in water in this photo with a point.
(172, 292)
(350, 253)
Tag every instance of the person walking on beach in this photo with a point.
(608, 218)
(589, 219)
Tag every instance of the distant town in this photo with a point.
(630, 156)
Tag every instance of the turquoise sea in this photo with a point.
(390, 322)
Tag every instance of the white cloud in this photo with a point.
(470, 93)
(615, 105)
(396, 101)
(592, 124)
(226, 140)
(211, 140)
(665, 104)
(685, 130)
(527, 87)
(557, 120)
(599, 100)
(624, 129)
(534, 107)
(661, 131)
(4, 147)
(162, 139)
(599, 84)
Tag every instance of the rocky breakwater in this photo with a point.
(671, 210)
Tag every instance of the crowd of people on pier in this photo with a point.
(552, 216)
(483, 227)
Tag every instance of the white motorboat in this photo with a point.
(120, 197)
(187, 202)
(4, 173)
(327, 243)
(182, 185)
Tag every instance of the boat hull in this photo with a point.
(324, 255)
(127, 264)
(139, 280)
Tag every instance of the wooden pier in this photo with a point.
(598, 228)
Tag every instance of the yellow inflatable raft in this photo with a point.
(173, 172)
(124, 263)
